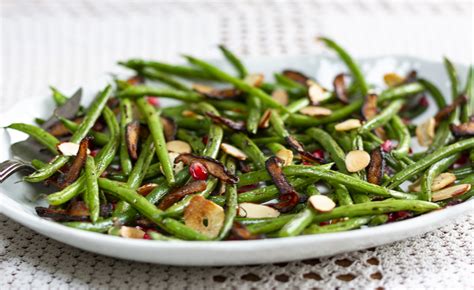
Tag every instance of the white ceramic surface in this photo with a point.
(17, 199)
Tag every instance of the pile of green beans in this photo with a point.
(131, 173)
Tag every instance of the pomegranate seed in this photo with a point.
(387, 146)
(423, 101)
(95, 152)
(205, 139)
(198, 171)
(154, 101)
(410, 151)
(399, 215)
(146, 237)
(463, 159)
(318, 153)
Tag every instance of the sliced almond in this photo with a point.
(425, 132)
(178, 146)
(253, 210)
(286, 155)
(191, 114)
(316, 93)
(322, 203)
(393, 79)
(69, 148)
(131, 233)
(348, 125)
(265, 119)
(145, 189)
(204, 216)
(255, 80)
(281, 96)
(315, 111)
(177, 167)
(450, 192)
(203, 89)
(440, 182)
(357, 160)
(233, 151)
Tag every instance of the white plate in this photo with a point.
(17, 200)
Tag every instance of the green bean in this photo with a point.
(329, 144)
(404, 137)
(89, 120)
(468, 108)
(39, 134)
(229, 105)
(215, 135)
(401, 91)
(37, 164)
(231, 203)
(58, 97)
(453, 78)
(276, 139)
(275, 147)
(434, 170)
(270, 225)
(350, 63)
(457, 199)
(342, 194)
(143, 90)
(178, 70)
(103, 160)
(295, 107)
(180, 230)
(253, 117)
(234, 61)
(39, 121)
(161, 77)
(428, 160)
(160, 237)
(350, 224)
(287, 82)
(92, 189)
(193, 140)
(303, 120)
(461, 172)
(99, 137)
(156, 129)
(378, 220)
(251, 149)
(278, 125)
(434, 92)
(240, 84)
(383, 117)
(126, 117)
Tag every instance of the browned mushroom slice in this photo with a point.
(78, 208)
(145, 189)
(376, 166)
(219, 94)
(132, 134)
(463, 130)
(78, 163)
(340, 88)
(59, 215)
(446, 111)
(135, 80)
(214, 167)
(288, 197)
(369, 109)
(307, 156)
(231, 124)
(296, 76)
(178, 193)
(240, 232)
(169, 128)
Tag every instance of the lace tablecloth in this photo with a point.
(72, 43)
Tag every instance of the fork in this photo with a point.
(8, 167)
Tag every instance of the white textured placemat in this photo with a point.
(72, 43)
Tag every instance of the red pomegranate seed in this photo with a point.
(146, 237)
(423, 101)
(205, 139)
(154, 101)
(318, 153)
(387, 146)
(95, 152)
(463, 159)
(399, 215)
(198, 171)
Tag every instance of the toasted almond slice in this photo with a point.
(425, 132)
(69, 148)
(393, 79)
(281, 96)
(322, 203)
(255, 80)
(191, 114)
(316, 93)
(265, 119)
(233, 151)
(286, 155)
(348, 125)
(357, 160)
(204, 216)
(145, 189)
(440, 182)
(450, 192)
(253, 210)
(131, 233)
(178, 146)
(415, 186)
(203, 89)
(177, 167)
(315, 111)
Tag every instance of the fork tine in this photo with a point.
(8, 167)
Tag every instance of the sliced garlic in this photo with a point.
(253, 210)
(357, 160)
(178, 146)
(131, 233)
(255, 80)
(393, 79)
(322, 203)
(425, 132)
(347, 125)
(286, 155)
(315, 111)
(69, 148)
(204, 216)
(233, 151)
(281, 96)
(450, 192)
